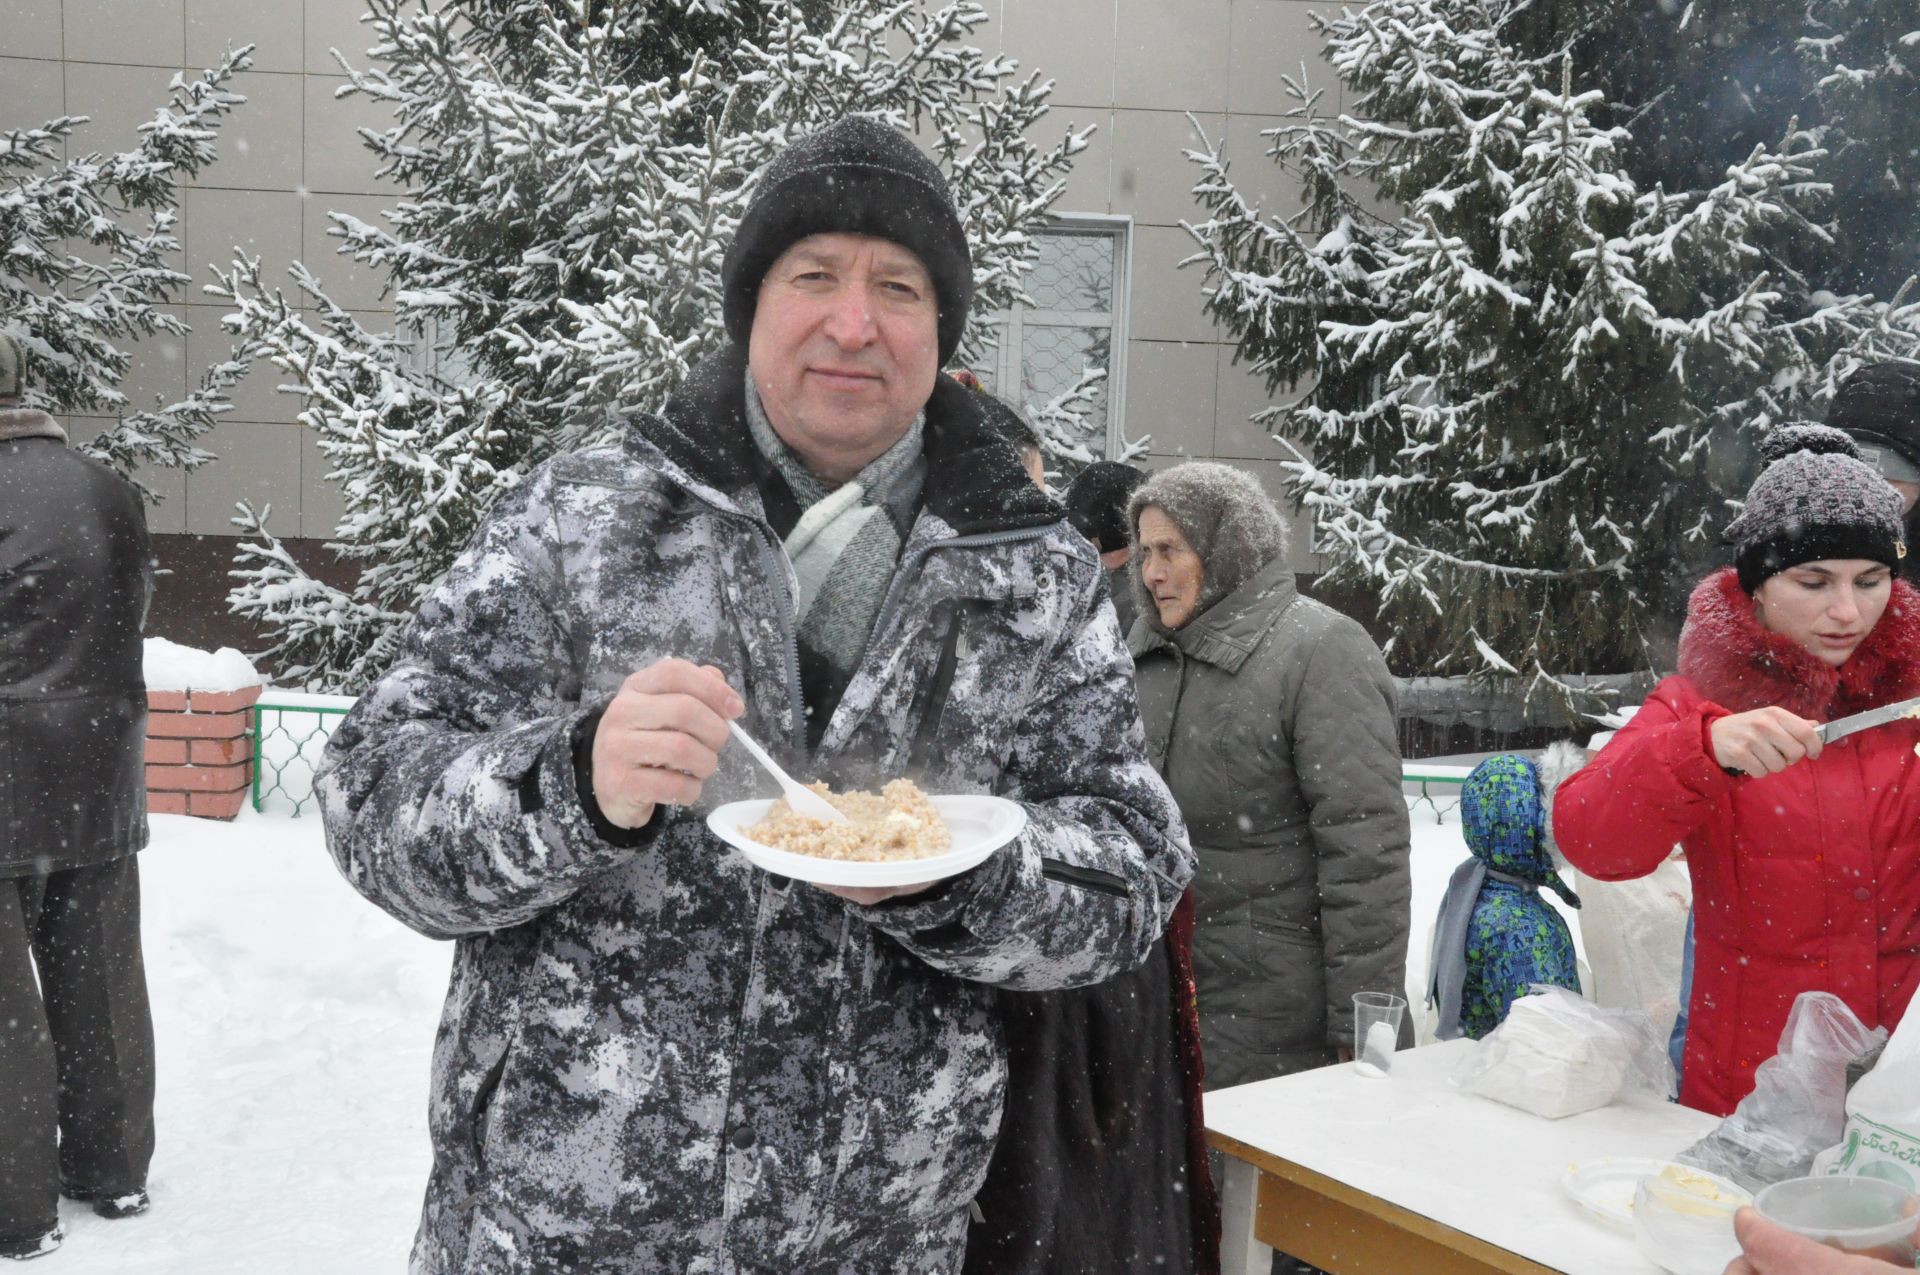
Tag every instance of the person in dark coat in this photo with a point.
(1879, 407)
(1097, 507)
(76, 1046)
(1101, 1160)
(1005, 420)
(1272, 718)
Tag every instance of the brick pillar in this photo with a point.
(199, 751)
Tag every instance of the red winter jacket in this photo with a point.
(1807, 879)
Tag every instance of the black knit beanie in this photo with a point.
(1097, 502)
(1879, 405)
(1816, 499)
(857, 176)
(1005, 420)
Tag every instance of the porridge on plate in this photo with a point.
(898, 822)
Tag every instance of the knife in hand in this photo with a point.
(1842, 727)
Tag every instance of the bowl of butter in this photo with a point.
(1683, 1220)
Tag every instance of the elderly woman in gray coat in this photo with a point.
(1271, 718)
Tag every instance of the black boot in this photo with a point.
(29, 1246)
(110, 1203)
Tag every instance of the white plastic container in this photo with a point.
(1683, 1220)
(1867, 1217)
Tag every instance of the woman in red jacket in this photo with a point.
(1805, 860)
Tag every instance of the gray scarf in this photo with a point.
(1447, 959)
(847, 541)
(28, 422)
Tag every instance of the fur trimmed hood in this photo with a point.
(1559, 763)
(1735, 662)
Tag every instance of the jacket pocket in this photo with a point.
(1289, 996)
(479, 1115)
(1093, 879)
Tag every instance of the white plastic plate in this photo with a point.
(1604, 1187)
(979, 825)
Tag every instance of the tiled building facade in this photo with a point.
(1136, 69)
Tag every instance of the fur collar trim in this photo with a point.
(26, 422)
(1739, 665)
(975, 481)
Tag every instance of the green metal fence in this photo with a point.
(1430, 777)
(287, 740)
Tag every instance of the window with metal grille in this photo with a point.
(1076, 324)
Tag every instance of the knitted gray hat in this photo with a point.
(856, 176)
(1224, 515)
(1816, 499)
(13, 370)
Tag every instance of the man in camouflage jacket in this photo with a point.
(655, 1057)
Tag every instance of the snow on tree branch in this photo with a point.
(573, 173)
(84, 244)
(1526, 395)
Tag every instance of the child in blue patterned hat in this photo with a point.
(1496, 936)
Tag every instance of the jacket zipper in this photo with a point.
(926, 548)
(1053, 869)
(775, 554)
(943, 671)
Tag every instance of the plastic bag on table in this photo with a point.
(1798, 1103)
(1882, 1138)
(1633, 932)
(1557, 1055)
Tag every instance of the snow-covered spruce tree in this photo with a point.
(574, 171)
(83, 269)
(1700, 81)
(1529, 391)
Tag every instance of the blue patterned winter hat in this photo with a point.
(1505, 822)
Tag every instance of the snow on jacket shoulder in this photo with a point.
(1807, 879)
(655, 1056)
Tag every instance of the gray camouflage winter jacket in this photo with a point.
(655, 1057)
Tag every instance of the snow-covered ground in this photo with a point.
(294, 1022)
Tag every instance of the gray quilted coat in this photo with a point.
(655, 1057)
(1272, 718)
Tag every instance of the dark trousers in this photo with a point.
(76, 1051)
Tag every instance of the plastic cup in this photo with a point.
(1376, 1032)
(1866, 1217)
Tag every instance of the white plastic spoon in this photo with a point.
(802, 799)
